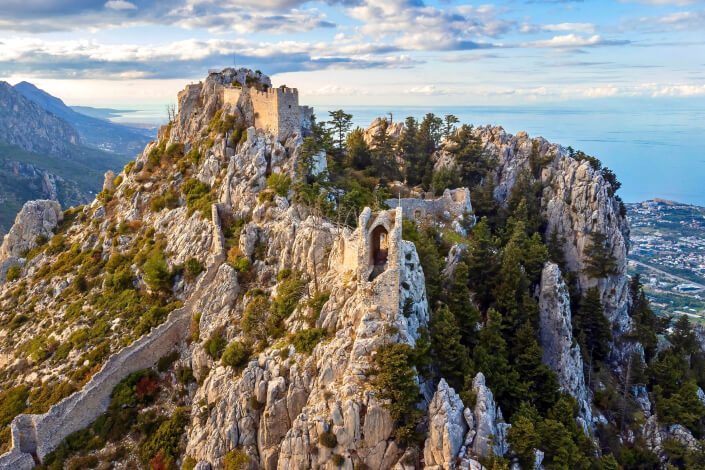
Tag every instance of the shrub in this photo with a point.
(289, 291)
(198, 197)
(129, 167)
(169, 200)
(184, 374)
(165, 439)
(12, 403)
(338, 460)
(305, 340)
(125, 393)
(328, 439)
(13, 273)
(236, 355)
(156, 274)
(279, 183)
(166, 361)
(242, 264)
(189, 463)
(155, 316)
(236, 460)
(254, 318)
(215, 345)
(194, 267)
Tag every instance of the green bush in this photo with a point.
(198, 197)
(254, 318)
(194, 267)
(289, 292)
(338, 460)
(166, 437)
(236, 460)
(166, 361)
(169, 200)
(236, 355)
(125, 393)
(155, 316)
(156, 273)
(184, 374)
(13, 273)
(328, 439)
(215, 345)
(189, 463)
(305, 340)
(279, 183)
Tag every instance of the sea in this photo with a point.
(656, 146)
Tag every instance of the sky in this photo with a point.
(362, 52)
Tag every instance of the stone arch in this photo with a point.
(379, 250)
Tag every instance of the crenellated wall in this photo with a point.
(455, 202)
(277, 110)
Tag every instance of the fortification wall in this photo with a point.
(288, 111)
(41, 434)
(264, 104)
(231, 95)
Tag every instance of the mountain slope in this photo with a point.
(94, 132)
(42, 157)
(31, 127)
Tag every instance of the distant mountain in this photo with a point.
(94, 132)
(31, 127)
(42, 156)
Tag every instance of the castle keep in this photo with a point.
(276, 110)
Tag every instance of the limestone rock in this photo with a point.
(489, 423)
(109, 181)
(447, 427)
(37, 218)
(560, 352)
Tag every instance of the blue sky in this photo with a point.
(361, 52)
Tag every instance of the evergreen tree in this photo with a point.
(466, 149)
(458, 299)
(358, 152)
(407, 147)
(646, 324)
(340, 124)
(555, 246)
(600, 262)
(429, 257)
(451, 356)
(449, 122)
(591, 326)
(483, 263)
(383, 159)
(540, 382)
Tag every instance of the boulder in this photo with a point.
(37, 218)
(447, 427)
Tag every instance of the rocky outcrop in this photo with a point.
(560, 352)
(447, 428)
(490, 429)
(37, 218)
(394, 129)
(656, 436)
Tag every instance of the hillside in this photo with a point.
(260, 290)
(43, 157)
(97, 133)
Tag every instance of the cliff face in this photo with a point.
(302, 394)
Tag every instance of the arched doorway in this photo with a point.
(379, 250)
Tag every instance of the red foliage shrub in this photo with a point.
(146, 388)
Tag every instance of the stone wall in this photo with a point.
(41, 434)
(277, 110)
(231, 95)
(454, 202)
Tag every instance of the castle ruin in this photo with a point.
(276, 110)
(453, 205)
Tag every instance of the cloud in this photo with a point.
(575, 41)
(181, 59)
(424, 90)
(664, 2)
(573, 27)
(120, 5)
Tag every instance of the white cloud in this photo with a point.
(425, 90)
(573, 27)
(573, 41)
(120, 5)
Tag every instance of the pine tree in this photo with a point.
(483, 263)
(591, 326)
(599, 261)
(408, 148)
(340, 123)
(541, 382)
(451, 356)
(358, 152)
(555, 246)
(458, 299)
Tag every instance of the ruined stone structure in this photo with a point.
(34, 436)
(452, 205)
